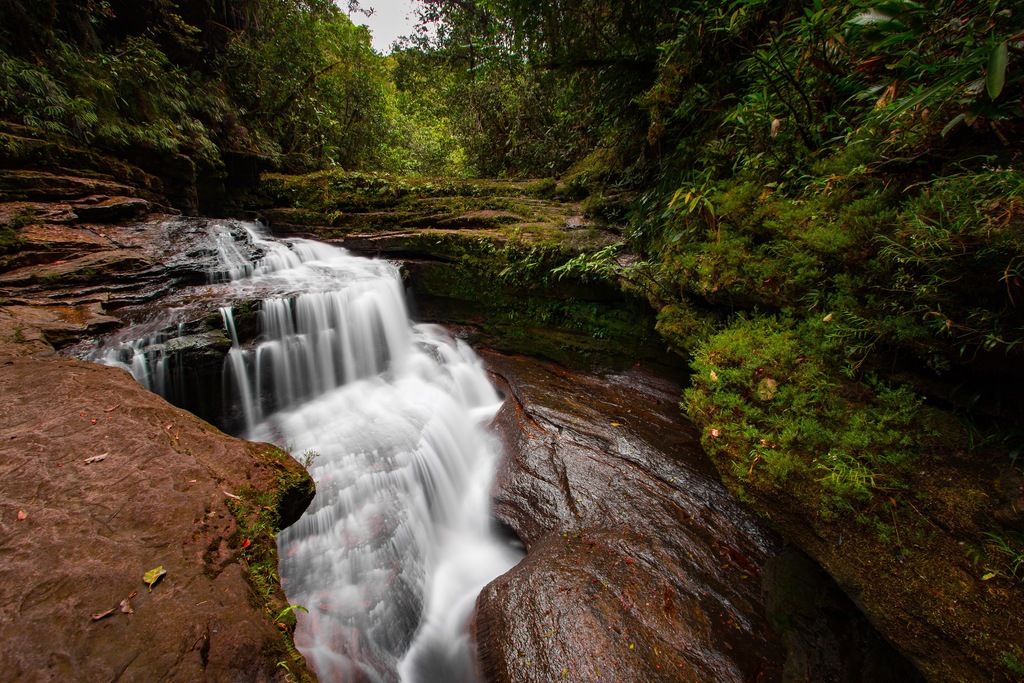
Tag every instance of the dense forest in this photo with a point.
(821, 201)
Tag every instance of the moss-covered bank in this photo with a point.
(479, 254)
(877, 487)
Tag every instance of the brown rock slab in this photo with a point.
(101, 482)
(38, 212)
(63, 325)
(61, 238)
(44, 186)
(112, 209)
(640, 566)
(96, 267)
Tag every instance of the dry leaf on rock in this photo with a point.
(126, 604)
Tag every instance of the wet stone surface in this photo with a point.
(640, 566)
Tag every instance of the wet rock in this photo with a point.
(43, 186)
(97, 267)
(100, 482)
(189, 253)
(639, 565)
(111, 210)
(1011, 489)
(826, 639)
(61, 239)
(64, 325)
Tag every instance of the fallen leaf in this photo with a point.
(246, 543)
(103, 615)
(126, 604)
(22, 515)
(990, 575)
(111, 408)
(714, 376)
(97, 458)
(152, 576)
(615, 424)
(230, 495)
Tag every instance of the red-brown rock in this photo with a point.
(100, 482)
(639, 567)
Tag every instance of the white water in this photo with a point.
(391, 554)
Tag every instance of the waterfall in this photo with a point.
(390, 556)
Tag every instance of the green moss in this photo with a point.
(507, 290)
(591, 174)
(771, 409)
(10, 240)
(328, 192)
(258, 514)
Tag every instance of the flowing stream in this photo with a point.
(389, 419)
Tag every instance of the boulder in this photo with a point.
(101, 483)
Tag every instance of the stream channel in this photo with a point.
(639, 560)
(388, 418)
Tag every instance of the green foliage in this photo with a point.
(308, 78)
(954, 58)
(773, 409)
(601, 265)
(289, 612)
(431, 142)
(1014, 661)
(955, 259)
(292, 83)
(537, 87)
(1008, 553)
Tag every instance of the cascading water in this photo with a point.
(391, 554)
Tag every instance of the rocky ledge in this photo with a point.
(101, 482)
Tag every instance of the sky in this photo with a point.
(390, 19)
